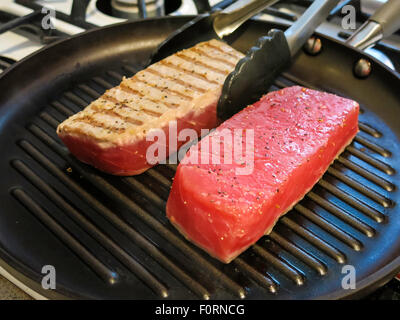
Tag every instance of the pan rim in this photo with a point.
(363, 284)
(181, 17)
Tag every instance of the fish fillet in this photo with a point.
(297, 133)
(110, 133)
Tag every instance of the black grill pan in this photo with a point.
(108, 236)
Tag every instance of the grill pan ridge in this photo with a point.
(108, 237)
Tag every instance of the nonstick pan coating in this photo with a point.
(108, 236)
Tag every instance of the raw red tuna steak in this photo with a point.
(298, 133)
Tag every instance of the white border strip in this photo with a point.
(19, 284)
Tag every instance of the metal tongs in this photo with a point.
(255, 73)
(384, 22)
(214, 25)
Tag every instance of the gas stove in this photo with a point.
(28, 37)
(22, 33)
(71, 18)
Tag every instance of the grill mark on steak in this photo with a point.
(163, 89)
(94, 123)
(132, 100)
(191, 72)
(115, 114)
(137, 92)
(182, 56)
(177, 80)
(202, 52)
(229, 52)
(142, 109)
(187, 74)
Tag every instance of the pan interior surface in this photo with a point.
(107, 237)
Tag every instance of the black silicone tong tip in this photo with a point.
(270, 53)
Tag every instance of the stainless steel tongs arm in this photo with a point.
(384, 22)
(232, 17)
